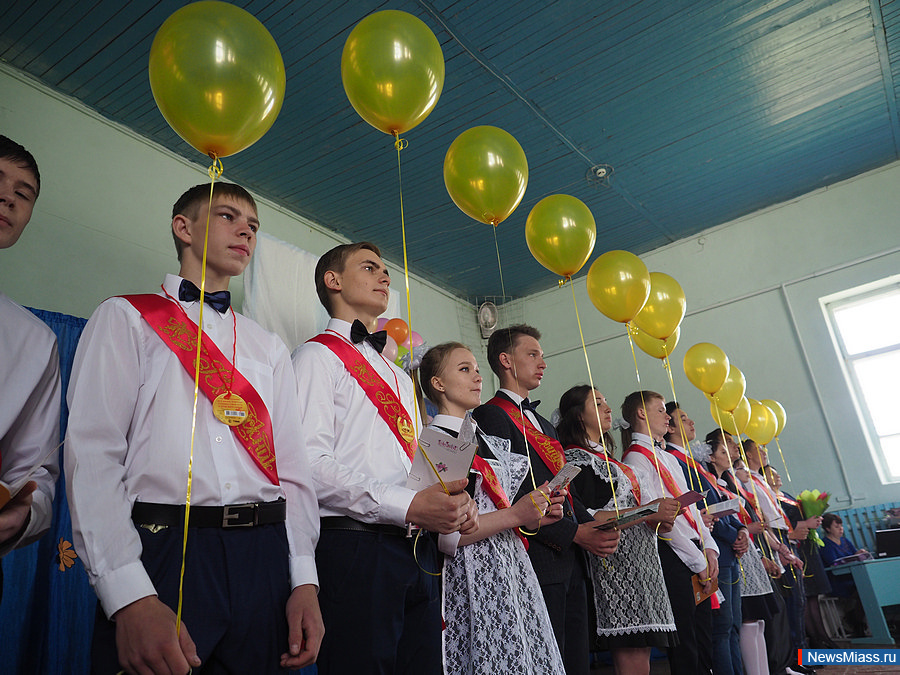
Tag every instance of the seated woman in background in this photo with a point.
(493, 607)
(632, 608)
(838, 546)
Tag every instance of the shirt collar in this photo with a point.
(514, 396)
(339, 326)
(450, 422)
(642, 439)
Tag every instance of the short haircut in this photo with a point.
(503, 341)
(635, 401)
(830, 519)
(188, 204)
(334, 261)
(433, 363)
(671, 407)
(17, 154)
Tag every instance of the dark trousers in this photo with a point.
(726, 624)
(236, 586)
(778, 634)
(693, 655)
(381, 611)
(795, 602)
(568, 609)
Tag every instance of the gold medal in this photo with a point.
(405, 429)
(230, 408)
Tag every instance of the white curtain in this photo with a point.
(280, 291)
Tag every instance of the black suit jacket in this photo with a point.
(552, 551)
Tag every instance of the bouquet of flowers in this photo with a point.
(813, 504)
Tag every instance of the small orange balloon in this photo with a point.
(397, 329)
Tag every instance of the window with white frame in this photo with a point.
(866, 330)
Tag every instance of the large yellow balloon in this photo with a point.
(762, 425)
(779, 412)
(664, 309)
(706, 366)
(392, 68)
(217, 76)
(560, 232)
(618, 284)
(658, 349)
(729, 395)
(486, 172)
(732, 422)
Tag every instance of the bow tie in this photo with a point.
(359, 332)
(219, 301)
(530, 405)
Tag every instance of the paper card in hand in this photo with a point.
(629, 517)
(689, 497)
(440, 454)
(724, 508)
(562, 479)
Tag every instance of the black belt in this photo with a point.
(348, 523)
(233, 515)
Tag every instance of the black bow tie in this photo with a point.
(219, 301)
(530, 405)
(359, 332)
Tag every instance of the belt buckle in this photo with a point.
(234, 512)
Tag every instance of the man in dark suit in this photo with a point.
(557, 550)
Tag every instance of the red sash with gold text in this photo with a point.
(548, 449)
(667, 479)
(379, 392)
(180, 335)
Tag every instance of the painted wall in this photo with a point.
(753, 288)
(101, 224)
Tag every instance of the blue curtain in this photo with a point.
(47, 615)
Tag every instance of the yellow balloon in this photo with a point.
(560, 233)
(762, 424)
(724, 419)
(779, 412)
(217, 76)
(658, 349)
(664, 309)
(729, 395)
(618, 284)
(706, 366)
(392, 68)
(485, 173)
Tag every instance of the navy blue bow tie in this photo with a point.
(219, 300)
(359, 332)
(530, 405)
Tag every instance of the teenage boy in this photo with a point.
(29, 375)
(379, 597)
(133, 459)
(559, 562)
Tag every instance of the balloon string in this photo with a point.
(637, 373)
(594, 399)
(215, 171)
(515, 372)
(400, 144)
(786, 472)
(667, 366)
(758, 508)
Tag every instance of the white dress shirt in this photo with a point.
(529, 413)
(129, 439)
(359, 466)
(768, 502)
(29, 416)
(681, 536)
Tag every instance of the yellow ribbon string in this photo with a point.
(587, 363)
(637, 373)
(416, 556)
(787, 473)
(759, 513)
(215, 171)
(667, 366)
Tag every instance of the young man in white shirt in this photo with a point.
(134, 458)
(380, 600)
(29, 375)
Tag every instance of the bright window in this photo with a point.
(866, 329)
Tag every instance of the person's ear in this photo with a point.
(437, 384)
(641, 413)
(505, 360)
(181, 226)
(332, 281)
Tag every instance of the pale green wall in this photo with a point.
(100, 226)
(732, 277)
(83, 246)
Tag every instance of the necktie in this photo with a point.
(359, 332)
(219, 301)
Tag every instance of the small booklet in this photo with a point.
(440, 454)
(724, 508)
(562, 479)
(690, 497)
(699, 595)
(629, 517)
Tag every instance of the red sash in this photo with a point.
(667, 479)
(491, 485)
(750, 500)
(695, 465)
(180, 335)
(548, 449)
(379, 392)
(765, 488)
(627, 470)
